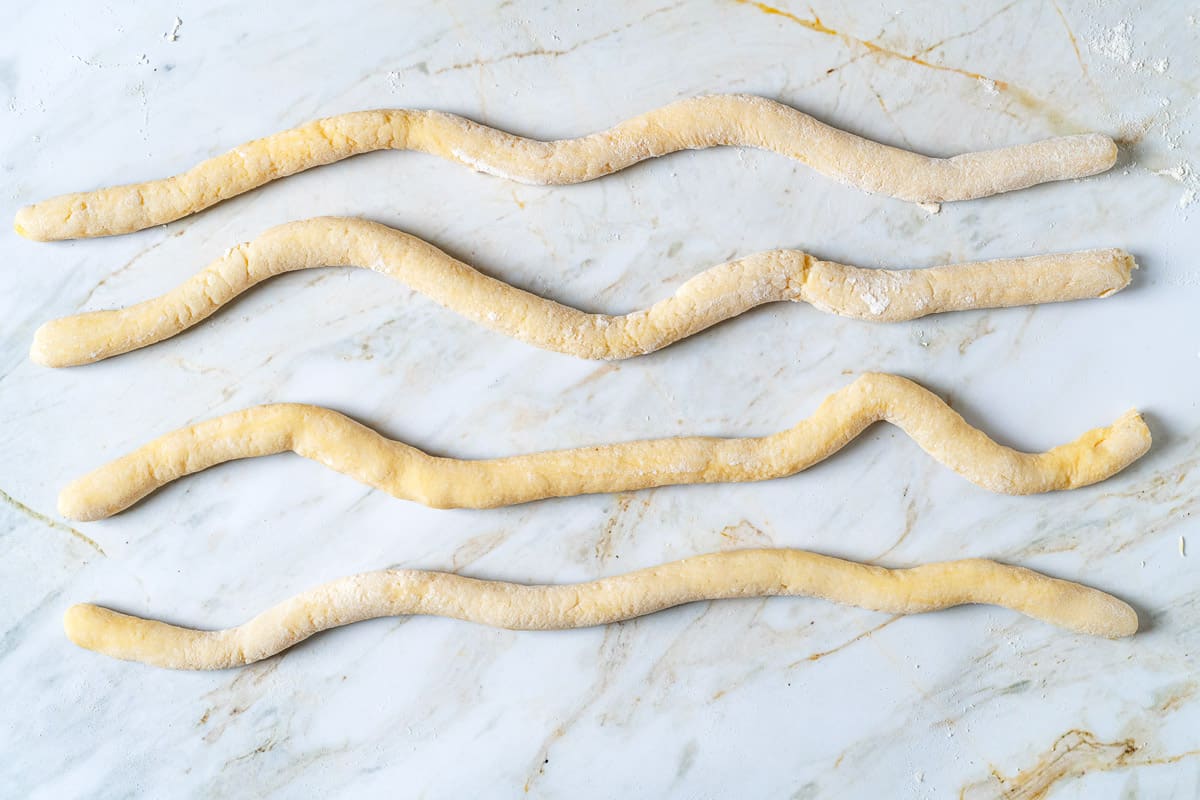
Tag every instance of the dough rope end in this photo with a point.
(1103, 150)
(1101, 453)
(147, 641)
(1125, 263)
(1118, 446)
(51, 349)
(1122, 619)
(1082, 155)
(26, 224)
(78, 500)
(81, 623)
(77, 340)
(35, 222)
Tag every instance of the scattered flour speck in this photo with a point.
(1183, 173)
(1114, 43)
(481, 166)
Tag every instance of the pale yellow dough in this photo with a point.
(406, 472)
(717, 294)
(746, 573)
(695, 123)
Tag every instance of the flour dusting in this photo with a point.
(876, 290)
(1183, 173)
(1115, 43)
(483, 166)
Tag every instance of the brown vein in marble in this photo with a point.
(851, 641)
(910, 521)
(1073, 755)
(38, 516)
(1071, 35)
(121, 269)
(611, 657)
(874, 48)
(551, 53)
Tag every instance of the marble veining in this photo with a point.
(780, 697)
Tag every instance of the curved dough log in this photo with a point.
(691, 124)
(406, 472)
(711, 297)
(746, 573)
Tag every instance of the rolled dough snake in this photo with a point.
(406, 472)
(745, 573)
(715, 295)
(691, 124)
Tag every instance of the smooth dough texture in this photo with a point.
(691, 124)
(745, 573)
(406, 472)
(715, 295)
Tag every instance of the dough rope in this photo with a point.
(715, 295)
(408, 473)
(696, 123)
(715, 576)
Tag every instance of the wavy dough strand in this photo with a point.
(713, 296)
(695, 123)
(408, 473)
(745, 573)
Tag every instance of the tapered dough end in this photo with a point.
(84, 625)
(31, 222)
(103, 631)
(106, 491)
(42, 350)
(1093, 612)
(1128, 439)
(1102, 150)
(82, 215)
(70, 341)
(148, 641)
(52, 346)
(1120, 619)
(76, 501)
(1103, 452)
(1123, 264)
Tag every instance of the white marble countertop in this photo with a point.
(783, 697)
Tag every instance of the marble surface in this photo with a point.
(781, 697)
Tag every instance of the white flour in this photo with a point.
(1183, 173)
(1114, 43)
(482, 166)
